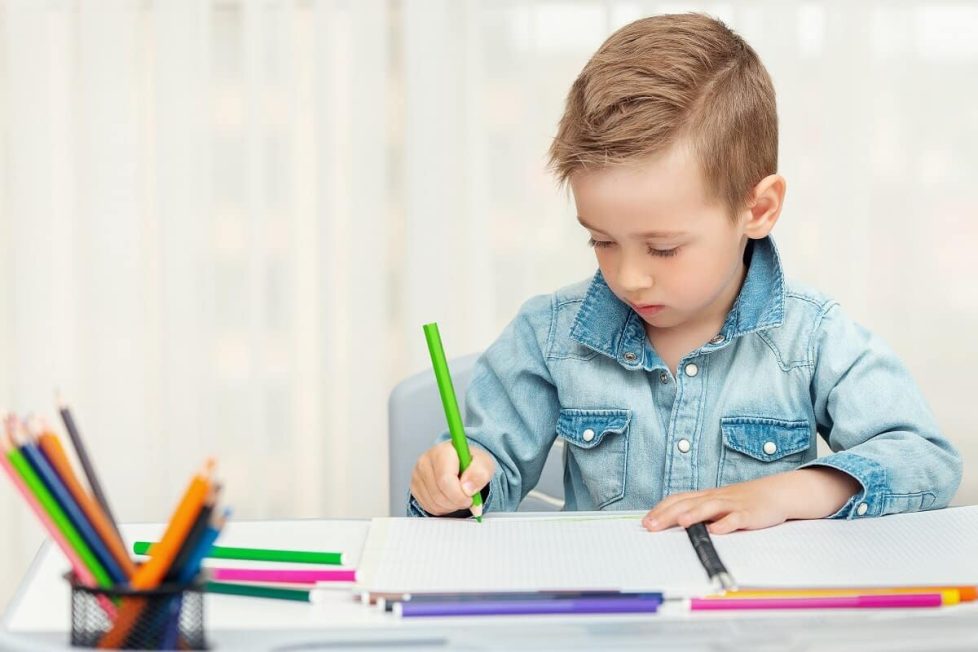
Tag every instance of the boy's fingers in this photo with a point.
(477, 475)
(703, 511)
(729, 523)
(662, 518)
(450, 490)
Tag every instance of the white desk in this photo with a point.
(38, 616)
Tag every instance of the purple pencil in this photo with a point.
(895, 601)
(528, 607)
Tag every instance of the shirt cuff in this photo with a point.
(414, 508)
(871, 475)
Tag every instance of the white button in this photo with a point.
(630, 357)
(862, 508)
(770, 447)
(588, 435)
(718, 339)
(683, 445)
(691, 369)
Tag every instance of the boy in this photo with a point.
(688, 374)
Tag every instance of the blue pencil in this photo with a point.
(71, 508)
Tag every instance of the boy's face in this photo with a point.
(662, 247)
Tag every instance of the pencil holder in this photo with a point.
(169, 617)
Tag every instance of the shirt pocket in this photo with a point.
(596, 450)
(754, 447)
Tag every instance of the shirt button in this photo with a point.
(663, 377)
(717, 339)
(770, 447)
(630, 357)
(691, 369)
(862, 509)
(588, 434)
(683, 445)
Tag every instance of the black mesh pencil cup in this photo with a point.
(169, 617)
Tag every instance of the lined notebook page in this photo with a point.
(938, 547)
(527, 553)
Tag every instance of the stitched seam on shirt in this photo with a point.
(697, 427)
(826, 308)
(785, 366)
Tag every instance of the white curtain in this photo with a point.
(223, 223)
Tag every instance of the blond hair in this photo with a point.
(668, 78)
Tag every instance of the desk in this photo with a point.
(38, 616)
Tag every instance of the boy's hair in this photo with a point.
(668, 78)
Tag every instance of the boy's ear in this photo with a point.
(764, 208)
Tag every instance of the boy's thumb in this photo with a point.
(475, 477)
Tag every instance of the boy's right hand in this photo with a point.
(436, 485)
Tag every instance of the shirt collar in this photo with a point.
(607, 325)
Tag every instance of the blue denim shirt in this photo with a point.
(787, 365)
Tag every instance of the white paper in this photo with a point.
(614, 552)
(927, 548)
(525, 553)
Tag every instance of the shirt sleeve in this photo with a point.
(877, 423)
(511, 408)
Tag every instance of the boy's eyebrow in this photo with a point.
(646, 234)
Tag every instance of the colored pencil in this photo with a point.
(527, 607)
(390, 600)
(78, 568)
(150, 574)
(254, 591)
(56, 456)
(949, 595)
(273, 575)
(51, 507)
(71, 508)
(965, 593)
(258, 554)
(452, 414)
(76, 440)
(902, 601)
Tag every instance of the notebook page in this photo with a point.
(937, 547)
(527, 553)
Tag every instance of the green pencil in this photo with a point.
(50, 505)
(256, 591)
(260, 554)
(452, 414)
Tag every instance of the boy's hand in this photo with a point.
(436, 485)
(800, 494)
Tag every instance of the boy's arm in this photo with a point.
(873, 415)
(511, 407)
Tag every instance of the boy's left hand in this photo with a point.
(800, 494)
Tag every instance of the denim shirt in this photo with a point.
(787, 365)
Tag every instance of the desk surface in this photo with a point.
(38, 616)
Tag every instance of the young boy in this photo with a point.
(688, 374)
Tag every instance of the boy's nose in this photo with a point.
(633, 277)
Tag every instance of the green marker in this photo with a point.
(452, 414)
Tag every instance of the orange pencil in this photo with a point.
(54, 451)
(149, 575)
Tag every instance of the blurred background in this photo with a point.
(223, 222)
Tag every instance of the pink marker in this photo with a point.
(285, 576)
(893, 601)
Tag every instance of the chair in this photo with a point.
(416, 418)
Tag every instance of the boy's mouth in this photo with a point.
(647, 310)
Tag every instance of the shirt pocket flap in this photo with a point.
(765, 439)
(587, 428)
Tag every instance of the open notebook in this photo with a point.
(613, 551)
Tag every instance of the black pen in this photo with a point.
(699, 536)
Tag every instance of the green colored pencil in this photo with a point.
(53, 509)
(255, 591)
(260, 554)
(449, 402)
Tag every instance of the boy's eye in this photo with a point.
(665, 253)
(599, 243)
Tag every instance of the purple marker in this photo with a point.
(611, 605)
